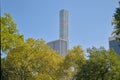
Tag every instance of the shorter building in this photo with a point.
(60, 46)
(114, 44)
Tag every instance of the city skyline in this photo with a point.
(90, 23)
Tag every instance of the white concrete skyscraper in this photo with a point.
(63, 24)
(61, 45)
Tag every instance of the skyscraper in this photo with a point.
(114, 44)
(63, 24)
(61, 45)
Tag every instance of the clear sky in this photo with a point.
(89, 20)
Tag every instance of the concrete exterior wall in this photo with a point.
(60, 46)
(63, 24)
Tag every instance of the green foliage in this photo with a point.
(116, 22)
(33, 60)
(10, 36)
(73, 61)
(102, 65)
(74, 56)
(4, 71)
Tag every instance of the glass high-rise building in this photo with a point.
(61, 45)
(114, 44)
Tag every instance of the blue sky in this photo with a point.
(89, 20)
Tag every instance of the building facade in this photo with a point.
(114, 44)
(63, 24)
(61, 45)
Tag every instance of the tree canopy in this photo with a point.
(116, 22)
(10, 36)
(101, 65)
(32, 60)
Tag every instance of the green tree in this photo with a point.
(116, 22)
(101, 65)
(4, 71)
(73, 61)
(33, 60)
(10, 36)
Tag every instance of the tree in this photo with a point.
(4, 71)
(32, 60)
(116, 22)
(101, 65)
(73, 61)
(10, 36)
